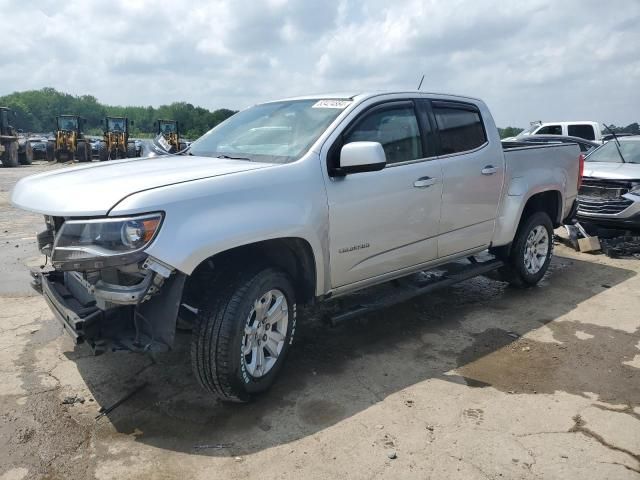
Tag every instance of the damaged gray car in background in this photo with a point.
(610, 191)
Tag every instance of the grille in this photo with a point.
(596, 182)
(603, 197)
(602, 206)
(604, 189)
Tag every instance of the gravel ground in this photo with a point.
(477, 381)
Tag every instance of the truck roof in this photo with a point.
(568, 122)
(363, 95)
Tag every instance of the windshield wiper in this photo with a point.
(615, 137)
(233, 158)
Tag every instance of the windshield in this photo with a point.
(277, 132)
(529, 130)
(67, 123)
(167, 127)
(608, 152)
(115, 124)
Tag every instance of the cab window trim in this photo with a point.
(460, 106)
(334, 150)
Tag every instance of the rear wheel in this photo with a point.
(10, 155)
(103, 154)
(243, 334)
(82, 152)
(27, 156)
(50, 152)
(531, 251)
(131, 150)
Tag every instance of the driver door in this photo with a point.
(385, 221)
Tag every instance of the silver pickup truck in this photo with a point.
(289, 203)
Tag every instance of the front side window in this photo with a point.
(460, 128)
(582, 131)
(550, 130)
(395, 128)
(277, 132)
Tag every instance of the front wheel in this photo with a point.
(531, 252)
(243, 334)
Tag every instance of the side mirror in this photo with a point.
(356, 157)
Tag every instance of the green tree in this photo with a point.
(36, 111)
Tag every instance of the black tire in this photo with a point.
(131, 150)
(219, 332)
(103, 154)
(10, 155)
(516, 272)
(82, 152)
(63, 156)
(27, 157)
(50, 153)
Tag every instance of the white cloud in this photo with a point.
(529, 60)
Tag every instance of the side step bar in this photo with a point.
(446, 275)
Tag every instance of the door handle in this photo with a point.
(489, 170)
(424, 182)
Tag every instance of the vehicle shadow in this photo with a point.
(469, 334)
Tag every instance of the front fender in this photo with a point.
(209, 216)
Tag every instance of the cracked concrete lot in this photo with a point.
(478, 381)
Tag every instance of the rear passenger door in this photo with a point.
(472, 176)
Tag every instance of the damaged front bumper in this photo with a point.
(139, 317)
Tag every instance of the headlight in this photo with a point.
(104, 238)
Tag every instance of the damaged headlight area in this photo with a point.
(103, 242)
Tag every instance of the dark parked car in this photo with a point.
(39, 147)
(585, 145)
(95, 147)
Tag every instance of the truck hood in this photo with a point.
(93, 190)
(612, 171)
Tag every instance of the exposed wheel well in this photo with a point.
(292, 255)
(548, 202)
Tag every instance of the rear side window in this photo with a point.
(395, 128)
(582, 131)
(460, 128)
(550, 130)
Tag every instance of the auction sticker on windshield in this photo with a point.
(332, 104)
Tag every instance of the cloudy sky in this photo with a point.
(528, 59)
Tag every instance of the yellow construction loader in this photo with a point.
(69, 142)
(116, 143)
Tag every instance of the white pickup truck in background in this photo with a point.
(291, 202)
(583, 129)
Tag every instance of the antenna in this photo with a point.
(421, 80)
